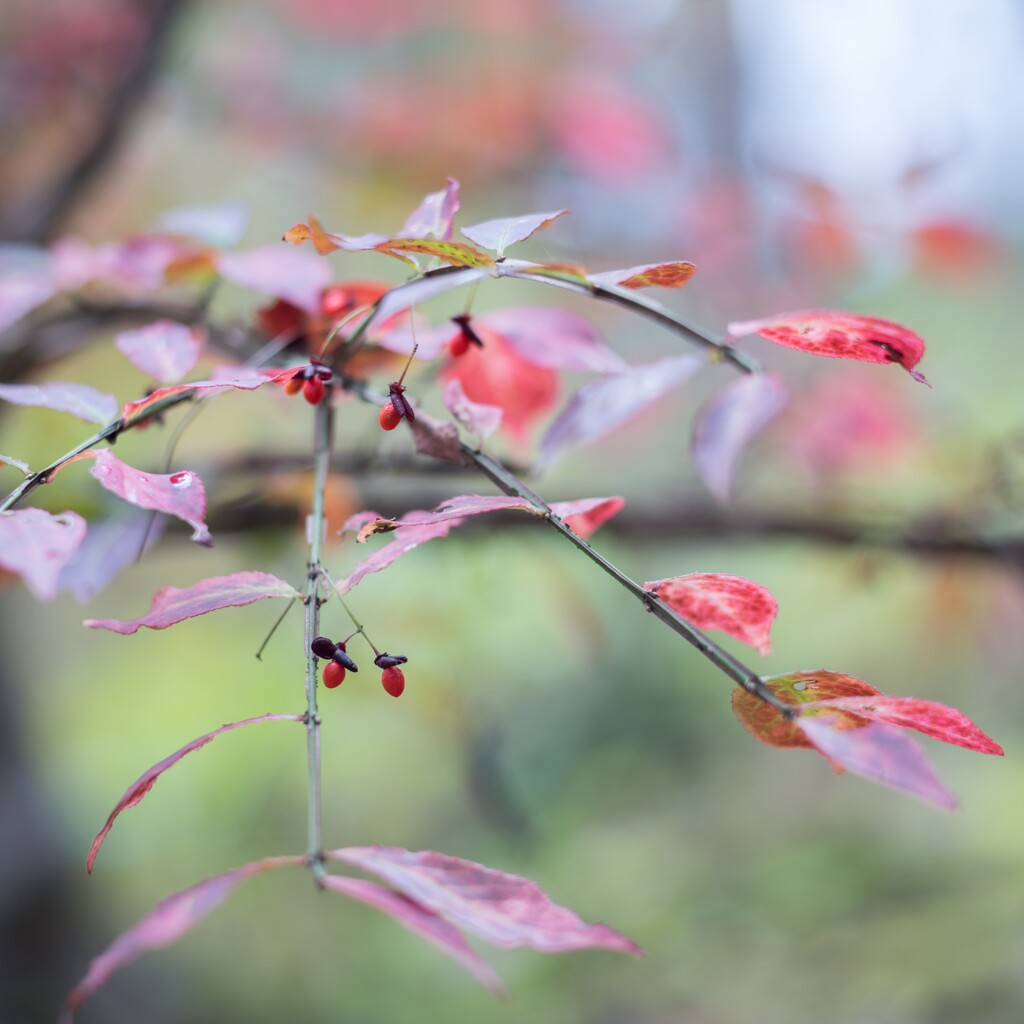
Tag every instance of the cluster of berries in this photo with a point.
(311, 381)
(338, 662)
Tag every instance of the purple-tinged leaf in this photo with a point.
(497, 235)
(479, 419)
(505, 910)
(727, 423)
(939, 721)
(881, 753)
(434, 216)
(37, 545)
(77, 399)
(171, 605)
(144, 783)
(167, 922)
(427, 287)
(180, 494)
(217, 224)
(109, 547)
(22, 292)
(420, 921)
(291, 274)
(605, 405)
(165, 350)
(554, 338)
(651, 275)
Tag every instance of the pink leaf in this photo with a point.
(239, 378)
(37, 546)
(292, 274)
(433, 217)
(840, 335)
(603, 406)
(171, 605)
(499, 234)
(725, 425)
(737, 606)
(165, 350)
(427, 287)
(167, 922)
(936, 720)
(179, 494)
(144, 783)
(77, 399)
(419, 920)
(586, 515)
(22, 292)
(554, 338)
(881, 753)
(479, 419)
(505, 910)
(651, 275)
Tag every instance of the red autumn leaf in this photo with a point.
(165, 350)
(500, 233)
(673, 274)
(737, 606)
(553, 338)
(144, 783)
(178, 494)
(498, 375)
(482, 420)
(840, 335)
(37, 545)
(21, 292)
(167, 922)
(434, 216)
(727, 423)
(880, 753)
(505, 910)
(171, 605)
(586, 515)
(277, 270)
(237, 377)
(420, 921)
(933, 719)
(599, 408)
(77, 399)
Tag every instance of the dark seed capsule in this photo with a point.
(343, 659)
(323, 648)
(401, 406)
(467, 330)
(389, 660)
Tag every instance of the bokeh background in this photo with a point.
(803, 155)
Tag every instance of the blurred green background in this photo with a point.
(802, 155)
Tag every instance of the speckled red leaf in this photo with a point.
(420, 921)
(727, 423)
(277, 270)
(144, 783)
(500, 233)
(77, 399)
(879, 752)
(737, 606)
(603, 406)
(178, 494)
(840, 335)
(553, 338)
(936, 720)
(37, 545)
(479, 419)
(505, 910)
(167, 922)
(799, 689)
(171, 605)
(165, 350)
(651, 275)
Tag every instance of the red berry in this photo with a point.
(393, 681)
(459, 345)
(293, 385)
(389, 416)
(333, 675)
(313, 390)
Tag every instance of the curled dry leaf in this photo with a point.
(167, 922)
(171, 605)
(164, 350)
(37, 545)
(840, 335)
(737, 606)
(77, 399)
(505, 910)
(144, 783)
